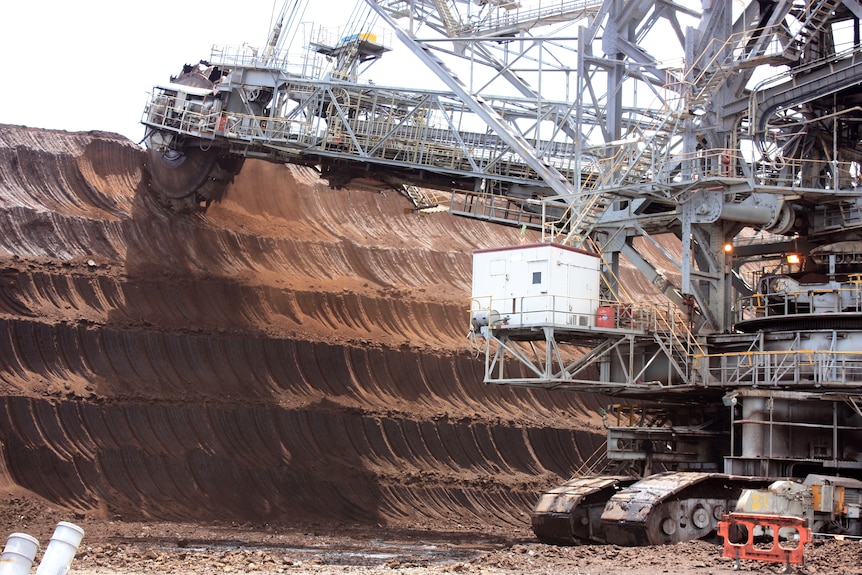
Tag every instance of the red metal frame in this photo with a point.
(731, 529)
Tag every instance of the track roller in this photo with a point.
(664, 508)
(672, 507)
(570, 514)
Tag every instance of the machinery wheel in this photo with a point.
(191, 173)
(221, 174)
(570, 514)
(671, 507)
(190, 179)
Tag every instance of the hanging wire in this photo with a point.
(294, 21)
(285, 26)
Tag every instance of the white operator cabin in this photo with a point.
(535, 285)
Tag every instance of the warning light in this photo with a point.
(793, 259)
(728, 248)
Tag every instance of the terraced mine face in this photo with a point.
(295, 354)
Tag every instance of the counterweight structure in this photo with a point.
(714, 148)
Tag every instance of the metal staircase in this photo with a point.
(451, 22)
(419, 197)
(675, 339)
(812, 19)
(722, 58)
(639, 159)
(751, 48)
(510, 18)
(497, 208)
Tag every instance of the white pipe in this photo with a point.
(61, 550)
(18, 555)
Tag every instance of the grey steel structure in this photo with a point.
(711, 140)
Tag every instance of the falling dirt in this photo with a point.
(281, 383)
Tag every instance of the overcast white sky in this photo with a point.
(89, 64)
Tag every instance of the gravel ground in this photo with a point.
(133, 548)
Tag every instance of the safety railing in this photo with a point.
(497, 208)
(423, 140)
(247, 57)
(345, 35)
(801, 301)
(512, 14)
(196, 118)
(801, 173)
(437, 144)
(537, 310)
(777, 171)
(724, 55)
(574, 312)
(805, 368)
(191, 117)
(666, 327)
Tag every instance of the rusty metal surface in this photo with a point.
(671, 507)
(634, 503)
(739, 530)
(571, 513)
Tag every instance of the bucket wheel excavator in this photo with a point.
(694, 171)
(188, 173)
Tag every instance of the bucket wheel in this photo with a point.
(188, 174)
(189, 178)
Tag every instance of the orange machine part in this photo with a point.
(738, 530)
